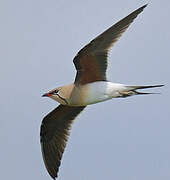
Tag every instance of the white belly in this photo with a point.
(100, 91)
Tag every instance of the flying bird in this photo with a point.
(90, 86)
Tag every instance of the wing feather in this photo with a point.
(54, 134)
(91, 61)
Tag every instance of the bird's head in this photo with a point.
(60, 94)
(57, 95)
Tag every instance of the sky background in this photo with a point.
(121, 139)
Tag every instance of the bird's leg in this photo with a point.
(124, 94)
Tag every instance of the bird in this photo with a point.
(90, 86)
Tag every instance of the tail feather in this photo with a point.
(143, 87)
(132, 90)
(143, 93)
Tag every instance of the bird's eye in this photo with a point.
(55, 92)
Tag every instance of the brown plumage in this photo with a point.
(91, 65)
(91, 61)
(54, 134)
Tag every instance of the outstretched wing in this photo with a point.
(54, 134)
(91, 61)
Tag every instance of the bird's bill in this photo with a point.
(46, 95)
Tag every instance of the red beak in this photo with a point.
(46, 95)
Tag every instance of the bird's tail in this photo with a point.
(133, 90)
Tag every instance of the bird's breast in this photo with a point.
(90, 93)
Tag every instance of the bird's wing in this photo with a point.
(54, 134)
(91, 61)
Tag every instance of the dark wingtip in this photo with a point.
(145, 5)
(142, 8)
(54, 177)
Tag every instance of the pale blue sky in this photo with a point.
(121, 139)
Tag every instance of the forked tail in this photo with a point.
(132, 90)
